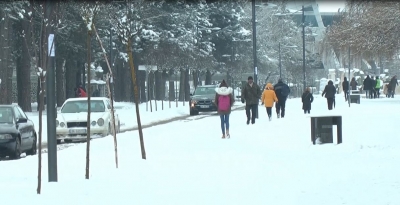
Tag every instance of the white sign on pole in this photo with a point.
(51, 46)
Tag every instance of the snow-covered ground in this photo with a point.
(265, 163)
(127, 114)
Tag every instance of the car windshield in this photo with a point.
(204, 91)
(6, 115)
(82, 106)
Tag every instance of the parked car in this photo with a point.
(17, 132)
(202, 99)
(71, 124)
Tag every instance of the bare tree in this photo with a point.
(127, 28)
(109, 76)
(89, 11)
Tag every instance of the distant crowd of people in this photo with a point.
(278, 93)
(372, 87)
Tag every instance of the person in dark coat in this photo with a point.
(251, 94)
(367, 86)
(372, 93)
(307, 98)
(392, 86)
(329, 93)
(282, 91)
(353, 84)
(345, 87)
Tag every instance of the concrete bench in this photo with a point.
(321, 127)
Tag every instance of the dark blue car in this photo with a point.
(17, 132)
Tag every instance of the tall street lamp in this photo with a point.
(304, 47)
(254, 39)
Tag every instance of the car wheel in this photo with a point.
(17, 151)
(33, 150)
(192, 112)
(59, 141)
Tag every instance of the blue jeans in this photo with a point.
(224, 122)
(366, 93)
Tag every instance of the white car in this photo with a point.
(71, 123)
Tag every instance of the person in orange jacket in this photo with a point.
(268, 98)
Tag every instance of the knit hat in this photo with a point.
(223, 84)
(250, 78)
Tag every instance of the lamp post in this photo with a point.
(254, 39)
(304, 47)
(280, 62)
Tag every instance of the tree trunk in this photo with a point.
(187, 85)
(171, 86)
(127, 82)
(182, 85)
(60, 81)
(131, 65)
(41, 99)
(150, 85)
(23, 65)
(118, 83)
(71, 70)
(208, 77)
(195, 78)
(158, 85)
(5, 59)
(373, 66)
(89, 60)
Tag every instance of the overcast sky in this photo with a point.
(330, 5)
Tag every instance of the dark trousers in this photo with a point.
(280, 107)
(377, 92)
(330, 103)
(346, 95)
(306, 111)
(372, 93)
(269, 111)
(253, 114)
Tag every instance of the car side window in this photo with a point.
(17, 113)
(22, 113)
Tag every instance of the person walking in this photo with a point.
(377, 86)
(224, 101)
(282, 91)
(392, 86)
(329, 93)
(251, 94)
(268, 98)
(367, 86)
(353, 84)
(345, 87)
(307, 98)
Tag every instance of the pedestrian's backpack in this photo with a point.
(285, 91)
(224, 102)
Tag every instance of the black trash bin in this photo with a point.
(321, 127)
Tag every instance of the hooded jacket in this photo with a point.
(329, 90)
(224, 91)
(268, 97)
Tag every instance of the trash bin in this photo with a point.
(355, 98)
(321, 127)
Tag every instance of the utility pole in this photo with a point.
(51, 93)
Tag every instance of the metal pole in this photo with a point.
(254, 40)
(348, 96)
(280, 62)
(51, 101)
(254, 46)
(304, 49)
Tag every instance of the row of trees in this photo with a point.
(197, 37)
(369, 31)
